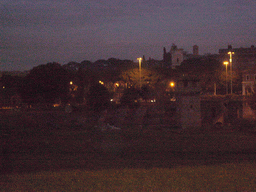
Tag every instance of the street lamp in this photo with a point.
(172, 94)
(101, 82)
(226, 63)
(139, 59)
(231, 77)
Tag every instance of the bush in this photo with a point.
(129, 97)
(98, 98)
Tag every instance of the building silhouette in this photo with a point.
(195, 50)
(173, 58)
(243, 58)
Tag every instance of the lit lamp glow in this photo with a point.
(231, 72)
(140, 59)
(101, 82)
(226, 63)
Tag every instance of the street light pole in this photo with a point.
(140, 69)
(226, 63)
(231, 71)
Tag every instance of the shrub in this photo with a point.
(129, 97)
(98, 98)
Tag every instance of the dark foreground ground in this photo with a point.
(133, 156)
(24, 163)
(60, 142)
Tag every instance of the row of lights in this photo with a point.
(231, 72)
(100, 82)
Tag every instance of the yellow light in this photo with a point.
(117, 84)
(140, 59)
(101, 82)
(56, 105)
(172, 84)
(71, 82)
(225, 62)
(230, 54)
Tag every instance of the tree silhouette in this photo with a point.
(148, 77)
(10, 87)
(146, 92)
(129, 97)
(46, 83)
(98, 97)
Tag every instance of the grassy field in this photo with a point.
(61, 132)
(58, 140)
(225, 177)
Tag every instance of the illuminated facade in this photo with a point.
(249, 79)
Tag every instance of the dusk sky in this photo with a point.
(35, 32)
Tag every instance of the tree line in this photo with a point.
(79, 82)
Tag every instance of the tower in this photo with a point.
(177, 57)
(164, 55)
(188, 103)
(167, 58)
(195, 50)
